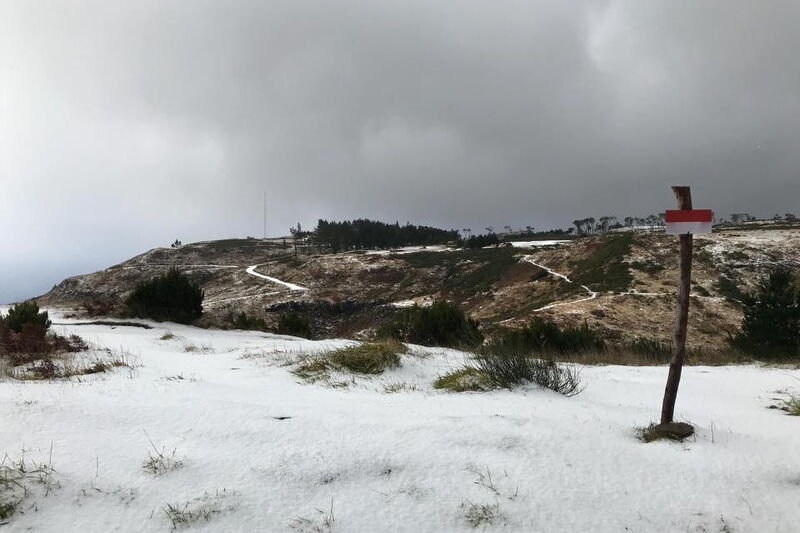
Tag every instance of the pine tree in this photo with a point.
(771, 324)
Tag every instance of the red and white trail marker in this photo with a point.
(688, 221)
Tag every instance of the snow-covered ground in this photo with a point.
(413, 249)
(535, 244)
(274, 454)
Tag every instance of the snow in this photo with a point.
(291, 286)
(592, 294)
(412, 461)
(535, 244)
(413, 249)
(423, 301)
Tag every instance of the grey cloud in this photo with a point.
(127, 124)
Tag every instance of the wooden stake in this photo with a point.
(684, 197)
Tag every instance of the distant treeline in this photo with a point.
(371, 234)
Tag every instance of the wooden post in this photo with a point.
(684, 197)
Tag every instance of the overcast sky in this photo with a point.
(125, 125)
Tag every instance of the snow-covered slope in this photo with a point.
(272, 454)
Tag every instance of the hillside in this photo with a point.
(622, 283)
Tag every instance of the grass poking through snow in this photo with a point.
(369, 358)
(200, 509)
(788, 402)
(19, 480)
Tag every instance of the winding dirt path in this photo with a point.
(592, 294)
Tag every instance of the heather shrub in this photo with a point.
(294, 324)
(247, 322)
(172, 296)
(544, 336)
(441, 324)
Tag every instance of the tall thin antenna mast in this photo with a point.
(265, 215)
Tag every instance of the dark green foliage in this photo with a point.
(479, 241)
(543, 336)
(504, 366)
(441, 324)
(363, 233)
(247, 322)
(294, 324)
(648, 267)
(485, 267)
(605, 270)
(172, 296)
(701, 291)
(25, 313)
(771, 324)
(728, 288)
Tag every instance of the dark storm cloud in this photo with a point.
(127, 124)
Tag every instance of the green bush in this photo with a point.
(507, 367)
(172, 296)
(247, 322)
(294, 324)
(771, 325)
(543, 336)
(25, 313)
(441, 324)
(728, 288)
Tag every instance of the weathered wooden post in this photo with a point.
(683, 222)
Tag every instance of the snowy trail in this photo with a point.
(592, 294)
(291, 286)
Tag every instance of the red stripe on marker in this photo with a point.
(688, 215)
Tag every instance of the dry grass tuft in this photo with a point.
(369, 358)
(463, 380)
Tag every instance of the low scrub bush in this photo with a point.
(96, 308)
(24, 340)
(247, 322)
(729, 289)
(544, 336)
(172, 297)
(506, 368)
(441, 324)
(294, 324)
